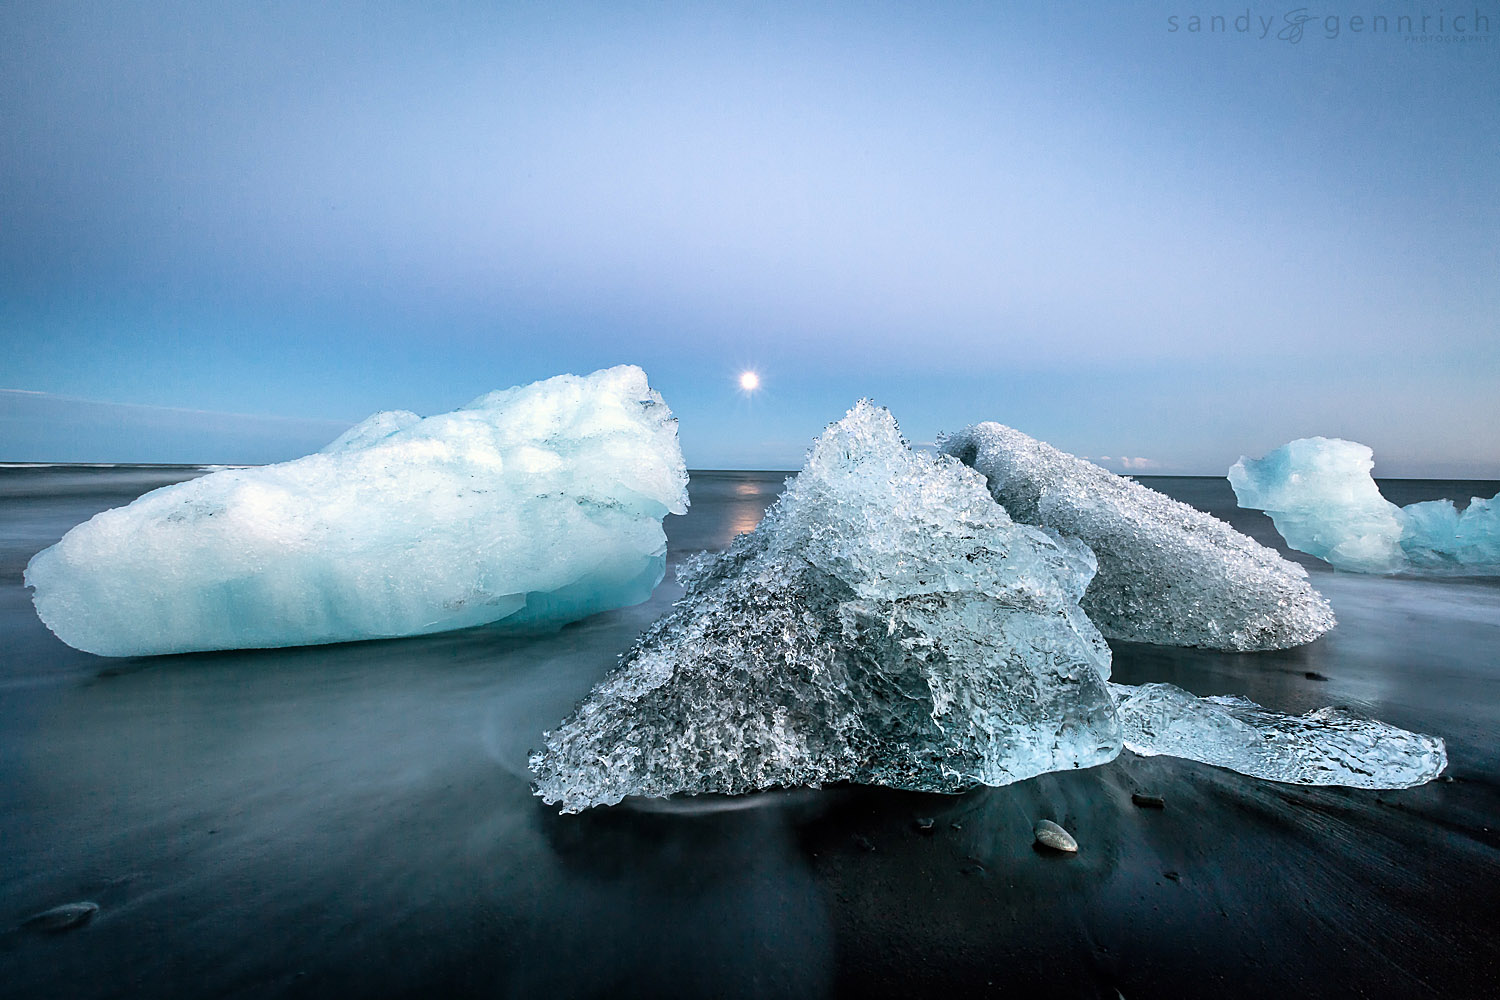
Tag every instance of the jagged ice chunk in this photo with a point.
(887, 623)
(1437, 537)
(1319, 493)
(541, 503)
(1168, 573)
(1323, 500)
(1324, 747)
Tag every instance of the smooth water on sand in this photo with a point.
(357, 819)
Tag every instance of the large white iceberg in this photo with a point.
(1325, 747)
(1323, 500)
(541, 503)
(887, 623)
(1168, 573)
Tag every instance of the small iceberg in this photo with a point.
(887, 623)
(1323, 500)
(538, 504)
(1168, 573)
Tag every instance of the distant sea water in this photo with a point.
(356, 820)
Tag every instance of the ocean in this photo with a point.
(356, 820)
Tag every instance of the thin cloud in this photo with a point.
(1124, 461)
(49, 427)
(33, 394)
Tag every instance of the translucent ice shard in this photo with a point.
(1325, 747)
(887, 623)
(1323, 500)
(1437, 537)
(541, 503)
(1168, 573)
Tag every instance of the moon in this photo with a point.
(749, 381)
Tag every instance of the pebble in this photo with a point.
(924, 825)
(1049, 834)
(1148, 801)
(64, 917)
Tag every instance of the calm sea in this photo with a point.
(355, 820)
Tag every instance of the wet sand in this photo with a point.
(355, 820)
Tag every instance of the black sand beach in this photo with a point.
(355, 820)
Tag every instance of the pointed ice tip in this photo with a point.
(865, 413)
(866, 431)
(810, 635)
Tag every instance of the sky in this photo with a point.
(229, 230)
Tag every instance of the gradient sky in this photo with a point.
(234, 228)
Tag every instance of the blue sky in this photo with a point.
(1129, 241)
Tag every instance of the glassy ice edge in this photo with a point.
(538, 504)
(1323, 747)
(1168, 573)
(889, 623)
(1323, 500)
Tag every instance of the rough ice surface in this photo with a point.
(541, 503)
(1324, 747)
(372, 430)
(1320, 495)
(1437, 537)
(887, 623)
(1168, 573)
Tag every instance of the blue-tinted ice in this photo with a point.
(887, 623)
(1323, 500)
(541, 503)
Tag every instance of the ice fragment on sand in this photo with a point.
(541, 503)
(887, 623)
(1168, 573)
(1323, 500)
(1324, 747)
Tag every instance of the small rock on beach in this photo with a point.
(1049, 834)
(63, 918)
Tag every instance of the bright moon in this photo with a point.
(749, 381)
